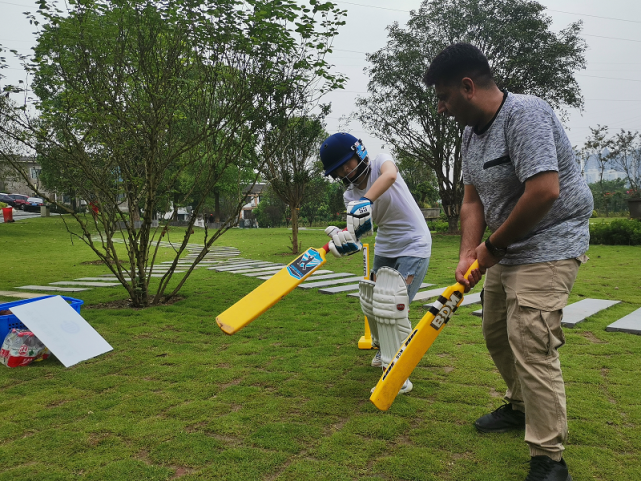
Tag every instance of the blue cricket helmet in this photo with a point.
(338, 149)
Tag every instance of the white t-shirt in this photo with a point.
(402, 230)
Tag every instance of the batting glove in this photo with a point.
(359, 218)
(342, 243)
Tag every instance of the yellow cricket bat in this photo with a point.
(417, 344)
(272, 290)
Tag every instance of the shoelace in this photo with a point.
(539, 469)
(500, 411)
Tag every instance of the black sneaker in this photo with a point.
(544, 468)
(502, 420)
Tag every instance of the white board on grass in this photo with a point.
(67, 335)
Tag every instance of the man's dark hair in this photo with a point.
(456, 62)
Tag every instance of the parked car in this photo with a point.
(19, 199)
(8, 200)
(33, 204)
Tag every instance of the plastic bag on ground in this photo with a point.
(21, 348)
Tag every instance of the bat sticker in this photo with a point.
(304, 264)
(446, 311)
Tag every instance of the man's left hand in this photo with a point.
(486, 260)
(359, 218)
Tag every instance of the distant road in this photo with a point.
(19, 215)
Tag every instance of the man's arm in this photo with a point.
(541, 190)
(472, 229)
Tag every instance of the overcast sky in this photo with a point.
(611, 84)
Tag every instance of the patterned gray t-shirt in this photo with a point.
(524, 139)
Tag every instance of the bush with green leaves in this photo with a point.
(617, 232)
(2, 205)
(438, 225)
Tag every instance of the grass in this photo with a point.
(287, 397)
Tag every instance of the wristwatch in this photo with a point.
(495, 251)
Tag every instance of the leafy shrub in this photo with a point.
(2, 205)
(595, 213)
(617, 232)
(438, 226)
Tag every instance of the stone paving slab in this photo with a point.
(20, 295)
(111, 276)
(188, 263)
(332, 282)
(54, 288)
(630, 324)
(322, 276)
(103, 278)
(245, 269)
(85, 283)
(275, 267)
(469, 299)
(353, 287)
(264, 274)
(333, 275)
(579, 311)
(268, 274)
(241, 266)
(420, 295)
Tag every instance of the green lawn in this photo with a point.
(287, 397)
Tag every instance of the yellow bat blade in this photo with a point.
(271, 291)
(417, 344)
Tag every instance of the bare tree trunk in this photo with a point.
(216, 206)
(294, 230)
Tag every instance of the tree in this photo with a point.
(610, 196)
(626, 151)
(293, 165)
(598, 147)
(335, 201)
(143, 103)
(315, 199)
(525, 56)
(420, 180)
(271, 209)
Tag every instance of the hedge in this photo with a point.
(618, 232)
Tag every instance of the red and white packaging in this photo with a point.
(21, 347)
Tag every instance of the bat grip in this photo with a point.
(461, 287)
(475, 265)
(326, 246)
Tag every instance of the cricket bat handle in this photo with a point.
(460, 287)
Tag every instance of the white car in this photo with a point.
(33, 204)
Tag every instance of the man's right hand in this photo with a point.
(475, 276)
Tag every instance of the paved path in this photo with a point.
(630, 323)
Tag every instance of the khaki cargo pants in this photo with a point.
(522, 312)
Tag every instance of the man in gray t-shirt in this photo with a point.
(523, 183)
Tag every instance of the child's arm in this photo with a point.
(359, 212)
(388, 175)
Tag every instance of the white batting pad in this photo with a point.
(366, 294)
(390, 312)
